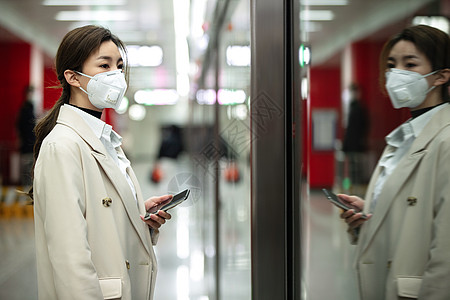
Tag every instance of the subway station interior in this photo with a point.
(257, 95)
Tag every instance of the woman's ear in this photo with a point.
(443, 76)
(72, 78)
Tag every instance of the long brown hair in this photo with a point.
(432, 42)
(75, 48)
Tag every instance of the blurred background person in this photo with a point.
(171, 147)
(25, 123)
(355, 139)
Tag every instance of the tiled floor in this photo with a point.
(185, 250)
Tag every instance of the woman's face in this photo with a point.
(106, 58)
(405, 56)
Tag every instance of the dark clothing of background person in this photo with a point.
(357, 126)
(25, 126)
(355, 143)
(172, 143)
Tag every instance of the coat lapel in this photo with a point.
(389, 192)
(394, 184)
(68, 117)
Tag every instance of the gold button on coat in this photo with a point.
(106, 202)
(412, 201)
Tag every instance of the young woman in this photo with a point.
(403, 249)
(91, 239)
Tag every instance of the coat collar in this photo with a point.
(406, 166)
(70, 118)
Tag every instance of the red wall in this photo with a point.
(325, 92)
(14, 78)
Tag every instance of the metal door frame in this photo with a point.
(276, 156)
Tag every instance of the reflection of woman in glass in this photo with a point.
(91, 239)
(404, 246)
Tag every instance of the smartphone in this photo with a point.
(177, 199)
(333, 198)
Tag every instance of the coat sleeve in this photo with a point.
(60, 204)
(436, 278)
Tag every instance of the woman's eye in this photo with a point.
(120, 67)
(390, 65)
(105, 66)
(411, 65)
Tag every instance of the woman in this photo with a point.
(91, 239)
(403, 249)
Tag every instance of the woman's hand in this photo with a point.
(353, 217)
(158, 217)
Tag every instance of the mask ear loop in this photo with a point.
(82, 74)
(432, 87)
(85, 75)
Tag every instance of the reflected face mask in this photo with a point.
(106, 89)
(407, 88)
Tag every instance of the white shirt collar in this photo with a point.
(412, 127)
(99, 127)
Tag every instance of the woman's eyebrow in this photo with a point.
(104, 57)
(410, 56)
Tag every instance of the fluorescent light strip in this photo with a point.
(98, 15)
(309, 26)
(316, 15)
(83, 2)
(181, 10)
(325, 2)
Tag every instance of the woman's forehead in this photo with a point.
(405, 49)
(106, 49)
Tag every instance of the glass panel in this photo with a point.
(341, 44)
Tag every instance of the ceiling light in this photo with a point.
(144, 56)
(98, 15)
(156, 97)
(324, 2)
(226, 97)
(83, 2)
(238, 56)
(181, 9)
(207, 97)
(137, 112)
(316, 15)
(229, 97)
(311, 26)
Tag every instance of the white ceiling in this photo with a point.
(376, 19)
(152, 22)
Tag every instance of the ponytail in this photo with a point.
(43, 128)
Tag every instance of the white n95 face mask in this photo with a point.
(407, 88)
(106, 89)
